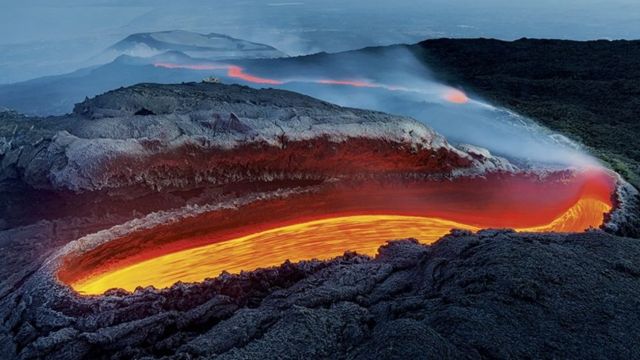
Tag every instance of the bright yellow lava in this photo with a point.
(584, 214)
(321, 239)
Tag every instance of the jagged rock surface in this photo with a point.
(190, 142)
(496, 294)
(94, 148)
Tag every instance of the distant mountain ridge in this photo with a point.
(128, 62)
(205, 46)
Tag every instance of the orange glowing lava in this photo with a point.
(233, 71)
(319, 239)
(325, 224)
(456, 96)
(238, 73)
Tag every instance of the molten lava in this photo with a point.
(233, 71)
(456, 96)
(325, 224)
(238, 73)
(319, 239)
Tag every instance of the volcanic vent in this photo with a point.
(288, 178)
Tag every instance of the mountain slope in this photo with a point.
(206, 46)
(589, 91)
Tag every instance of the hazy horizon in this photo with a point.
(42, 39)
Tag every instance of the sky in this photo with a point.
(42, 37)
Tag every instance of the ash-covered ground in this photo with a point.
(152, 149)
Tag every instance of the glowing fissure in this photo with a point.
(237, 72)
(325, 225)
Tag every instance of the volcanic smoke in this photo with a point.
(396, 81)
(354, 83)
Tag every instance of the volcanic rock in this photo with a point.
(195, 139)
(467, 296)
(109, 142)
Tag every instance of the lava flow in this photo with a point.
(233, 71)
(236, 72)
(326, 223)
(456, 96)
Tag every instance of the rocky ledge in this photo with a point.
(496, 294)
(183, 136)
(151, 147)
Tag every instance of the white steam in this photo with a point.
(401, 84)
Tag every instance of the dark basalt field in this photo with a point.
(587, 90)
(496, 294)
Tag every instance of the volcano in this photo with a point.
(159, 210)
(206, 46)
(294, 178)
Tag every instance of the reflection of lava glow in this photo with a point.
(325, 224)
(456, 96)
